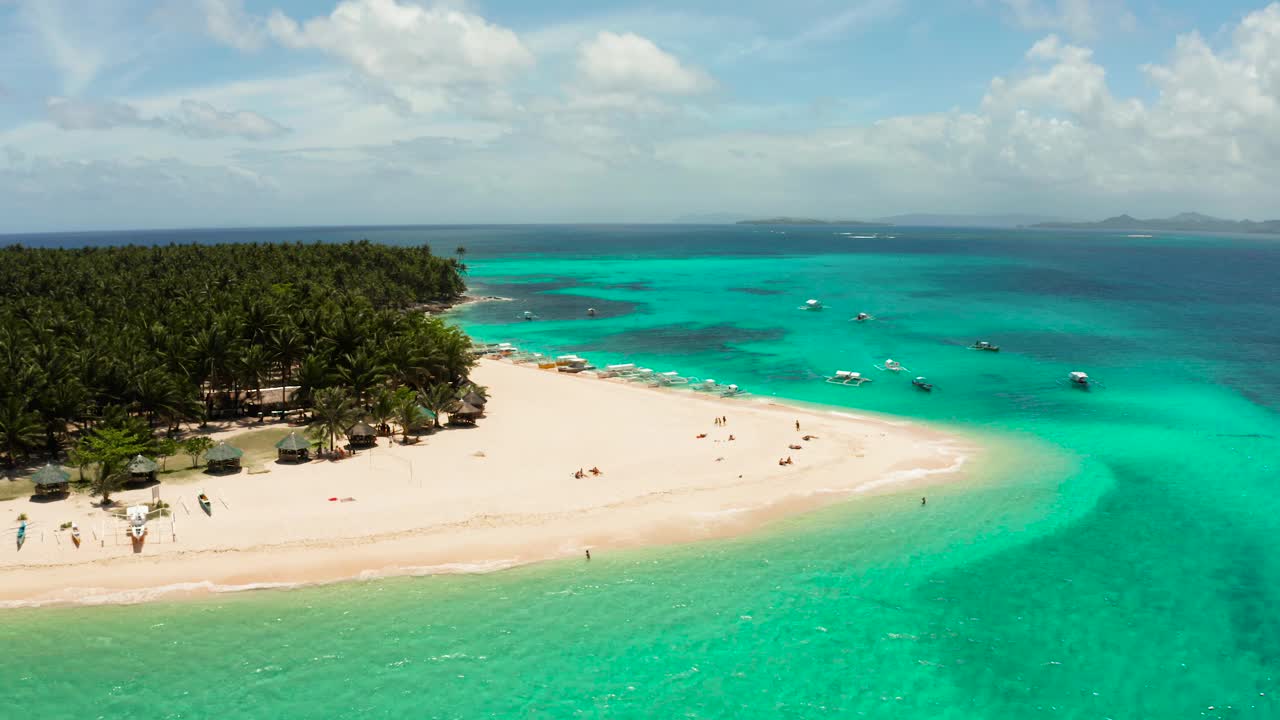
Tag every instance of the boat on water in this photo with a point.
(732, 391)
(1079, 380)
(670, 378)
(848, 377)
(528, 315)
(205, 504)
(922, 384)
(22, 534)
(591, 312)
(863, 317)
(708, 385)
(984, 345)
(620, 370)
(812, 305)
(137, 517)
(892, 365)
(75, 534)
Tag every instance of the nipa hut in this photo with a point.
(51, 480)
(465, 412)
(293, 448)
(143, 469)
(224, 458)
(475, 400)
(362, 435)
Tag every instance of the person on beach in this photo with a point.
(797, 425)
(924, 501)
(788, 459)
(588, 554)
(731, 437)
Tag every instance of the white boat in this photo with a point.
(671, 378)
(863, 317)
(848, 377)
(528, 315)
(812, 305)
(620, 370)
(527, 357)
(137, 517)
(573, 365)
(708, 385)
(892, 365)
(1079, 379)
(732, 391)
(591, 312)
(641, 375)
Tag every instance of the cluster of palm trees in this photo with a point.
(185, 333)
(334, 410)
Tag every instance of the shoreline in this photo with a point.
(497, 496)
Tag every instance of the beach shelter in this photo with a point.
(465, 412)
(474, 399)
(224, 458)
(425, 417)
(51, 480)
(142, 469)
(362, 435)
(293, 448)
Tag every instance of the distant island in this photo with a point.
(1185, 222)
(1008, 220)
(806, 221)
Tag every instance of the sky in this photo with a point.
(127, 114)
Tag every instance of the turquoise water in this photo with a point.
(1118, 563)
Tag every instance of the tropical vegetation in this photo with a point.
(95, 341)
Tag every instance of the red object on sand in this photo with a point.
(333, 499)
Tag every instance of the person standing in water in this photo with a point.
(588, 554)
(923, 501)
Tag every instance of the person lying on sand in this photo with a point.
(731, 437)
(795, 447)
(596, 471)
(781, 461)
(702, 436)
(809, 437)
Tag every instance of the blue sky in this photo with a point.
(162, 113)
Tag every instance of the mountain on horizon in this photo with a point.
(1186, 221)
(968, 220)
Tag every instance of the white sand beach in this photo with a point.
(497, 495)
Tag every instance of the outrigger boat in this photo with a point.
(863, 317)
(205, 504)
(732, 391)
(708, 385)
(670, 378)
(528, 315)
(922, 384)
(812, 305)
(1079, 380)
(984, 345)
(591, 312)
(137, 516)
(75, 534)
(22, 534)
(892, 365)
(848, 377)
(621, 370)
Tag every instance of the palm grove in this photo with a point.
(105, 352)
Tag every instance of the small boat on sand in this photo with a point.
(22, 534)
(984, 345)
(892, 365)
(75, 534)
(922, 384)
(848, 377)
(205, 504)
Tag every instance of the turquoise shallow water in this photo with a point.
(1119, 564)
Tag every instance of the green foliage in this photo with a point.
(407, 415)
(439, 398)
(184, 332)
(333, 412)
(166, 448)
(110, 449)
(196, 446)
(65, 526)
(22, 516)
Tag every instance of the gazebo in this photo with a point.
(362, 435)
(465, 412)
(474, 399)
(224, 458)
(142, 469)
(293, 448)
(51, 480)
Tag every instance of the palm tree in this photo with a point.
(439, 398)
(360, 373)
(383, 409)
(254, 364)
(287, 346)
(313, 374)
(19, 429)
(407, 411)
(332, 414)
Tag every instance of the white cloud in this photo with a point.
(419, 54)
(1077, 18)
(227, 22)
(68, 44)
(191, 118)
(629, 63)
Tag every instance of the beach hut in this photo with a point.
(465, 412)
(51, 480)
(293, 448)
(224, 458)
(362, 435)
(142, 469)
(474, 399)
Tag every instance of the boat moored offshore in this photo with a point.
(892, 365)
(922, 384)
(984, 345)
(1079, 380)
(848, 377)
(812, 305)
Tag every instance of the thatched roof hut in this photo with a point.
(224, 458)
(362, 435)
(51, 480)
(474, 399)
(142, 469)
(293, 448)
(465, 412)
